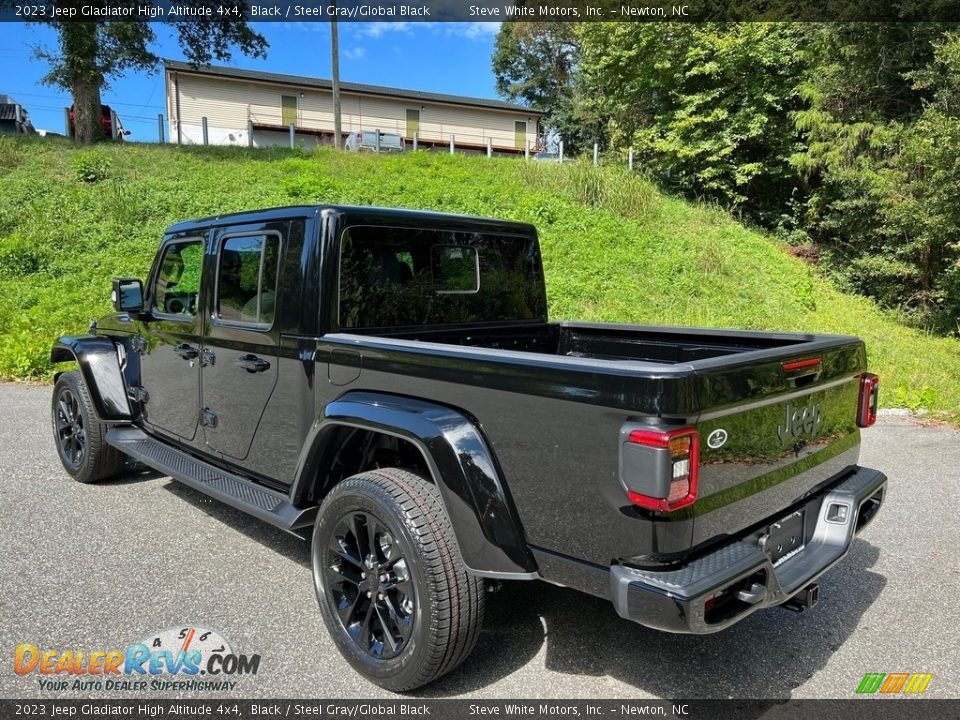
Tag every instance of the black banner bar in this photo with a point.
(361, 11)
(410, 708)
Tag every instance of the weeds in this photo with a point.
(91, 166)
(10, 154)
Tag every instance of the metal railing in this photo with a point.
(452, 140)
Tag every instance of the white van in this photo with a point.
(367, 140)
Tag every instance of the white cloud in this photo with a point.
(481, 31)
(475, 30)
(305, 26)
(355, 53)
(379, 29)
(468, 30)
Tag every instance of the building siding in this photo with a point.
(228, 104)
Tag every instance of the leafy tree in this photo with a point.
(707, 107)
(846, 135)
(536, 63)
(880, 149)
(89, 54)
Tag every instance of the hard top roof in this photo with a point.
(352, 213)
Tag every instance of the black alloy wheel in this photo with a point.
(369, 581)
(79, 435)
(68, 422)
(394, 592)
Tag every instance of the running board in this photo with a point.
(267, 505)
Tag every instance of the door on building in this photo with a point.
(520, 134)
(413, 122)
(288, 109)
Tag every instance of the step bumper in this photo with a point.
(723, 587)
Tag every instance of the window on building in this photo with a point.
(288, 109)
(520, 132)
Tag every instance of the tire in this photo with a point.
(79, 435)
(398, 633)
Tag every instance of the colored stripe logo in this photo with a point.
(894, 683)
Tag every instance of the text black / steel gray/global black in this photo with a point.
(390, 381)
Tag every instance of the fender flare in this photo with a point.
(100, 368)
(481, 512)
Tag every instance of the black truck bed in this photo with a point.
(649, 343)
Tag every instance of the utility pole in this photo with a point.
(335, 47)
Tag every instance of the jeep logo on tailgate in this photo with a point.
(806, 421)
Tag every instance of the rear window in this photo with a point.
(247, 279)
(401, 277)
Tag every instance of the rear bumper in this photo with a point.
(739, 578)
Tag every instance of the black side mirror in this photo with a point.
(127, 295)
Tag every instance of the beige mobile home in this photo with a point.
(239, 102)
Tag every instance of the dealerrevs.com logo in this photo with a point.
(188, 658)
(894, 683)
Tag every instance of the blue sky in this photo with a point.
(438, 57)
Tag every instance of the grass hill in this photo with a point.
(615, 249)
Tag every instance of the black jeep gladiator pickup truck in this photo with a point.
(390, 379)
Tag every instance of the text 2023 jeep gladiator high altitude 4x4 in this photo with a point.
(390, 379)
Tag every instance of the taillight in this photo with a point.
(867, 404)
(668, 479)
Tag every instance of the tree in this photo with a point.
(845, 135)
(707, 106)
(881, 143)
(90, 53)
(536, 63)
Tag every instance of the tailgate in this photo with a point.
(772, 430)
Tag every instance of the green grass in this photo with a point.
(615, 249)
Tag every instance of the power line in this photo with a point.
(67, 98)
(149, 99)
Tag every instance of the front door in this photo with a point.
(288, 110)
(413, 123)
(520, 134)
(240, 345)
(169, 359)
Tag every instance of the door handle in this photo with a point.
(252, 364)
(187, 352)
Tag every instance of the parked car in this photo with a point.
(106, 122)
(390, 381)
(367, 140)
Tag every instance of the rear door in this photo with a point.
(240, 344)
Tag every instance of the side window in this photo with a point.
(247, 279)
(178, 282)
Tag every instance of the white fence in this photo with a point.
(262, 134)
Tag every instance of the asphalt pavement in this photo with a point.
(99, 567)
